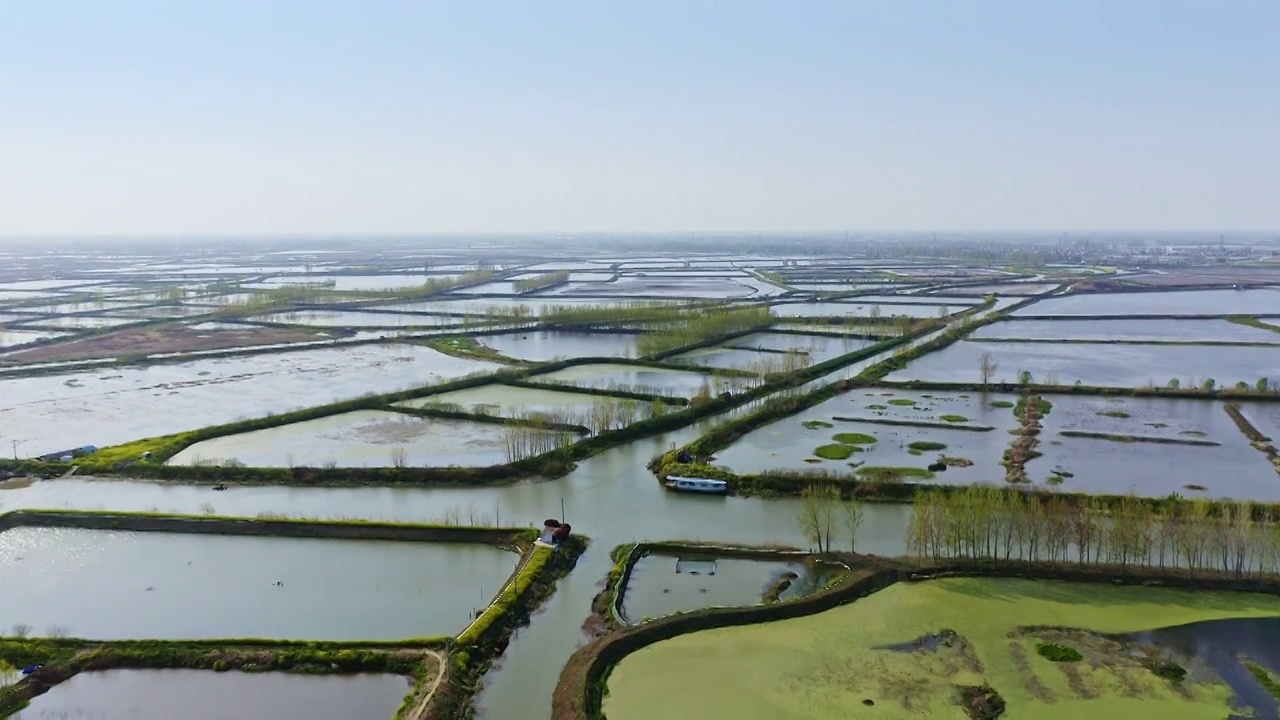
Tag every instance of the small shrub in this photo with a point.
(1167, 669)
(854, 438)
(1059, 653)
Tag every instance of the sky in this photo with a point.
(227, 117)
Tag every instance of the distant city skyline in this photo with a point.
(403, 118)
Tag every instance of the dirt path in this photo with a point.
(423, 702)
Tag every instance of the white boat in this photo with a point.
(692, 484)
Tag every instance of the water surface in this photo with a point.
(204, 695)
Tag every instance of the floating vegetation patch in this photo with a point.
(854, 438)
(877, 406)
(835, 451)
(1001, 404)
(1058, 653)
(905, 402)
(954, 418)
(932, 641)
(1264, 678)
(981, 702)
(926, 445)
(816, 424)
(887, 474)
(1114, 413)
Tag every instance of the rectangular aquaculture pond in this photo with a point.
(363, 438)
(114, 405)
(632, 378)
(1178, 302)
(1171, 329)
(113, 585)
(207, 695)
(662, 584)
(1151, 447)
(903, 433)
(514, 402)
(542, 345)
(1102, 364)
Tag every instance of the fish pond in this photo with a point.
(1151, 447)
(115, 585)
(510, 401)
(1179, 302)
(114, 405)
(543, 345)
(1103, 364)
(1171, 330)
(631, 378)
(905, 433)
(902, 651)
(363, 438)
(663, 584)
(205, 695)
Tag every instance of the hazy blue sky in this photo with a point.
(226, 116)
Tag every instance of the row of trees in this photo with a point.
(824, 517)
(999, 525)
(692, 328)
(541, 282)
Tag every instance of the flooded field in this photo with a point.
(871, 649)
(1186, 302)
(969, 430)
(364, 438)
(205, 695)
(115, 585)
(544, 345)
(662, 584)
(1102, 364)
(633, 378)
(1230, 469)
(114, 405)
(1171, 330)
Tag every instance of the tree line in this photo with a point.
(999, 525)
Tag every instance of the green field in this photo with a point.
(825, 666)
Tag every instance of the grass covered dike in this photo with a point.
(584, 680)
(445, 668)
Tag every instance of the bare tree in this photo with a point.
(21, 630)
(987, 366)
(399, 457)
(852, 516)
(817, 518)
